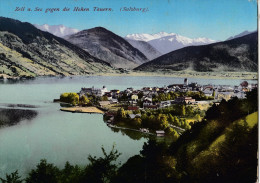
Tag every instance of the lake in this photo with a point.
(61, 136)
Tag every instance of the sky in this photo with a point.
(214, 19)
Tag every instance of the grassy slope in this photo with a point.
(215, 146)
(224, 152)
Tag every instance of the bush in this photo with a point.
(71, 98)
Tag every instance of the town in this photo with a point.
(149, 97)
(161, 110)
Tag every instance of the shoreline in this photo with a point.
(176, 74)
(182, 74)
(92, 110)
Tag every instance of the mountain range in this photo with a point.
(57, 30)
(148, 37)
(26, 50)
(109, 47)
(151, 45)
(167, 42)
(239, 54)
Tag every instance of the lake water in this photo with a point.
(59, 136)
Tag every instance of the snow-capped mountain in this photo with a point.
(57, 30)
(240, 35)
(236, 55)
(175, 42)
(167, 42)
(148, 37)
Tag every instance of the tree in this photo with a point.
(163, 122)
(197, 117)
(176, 121)
(140, 95)
(137, 112)
(251, 100)
(70, 173)
(170, 119)
(137, 121)
(213, 112)
(121, 113)
(12, 178)
(151, 122)
(155, 168)
(168, 96)
(131, 171)
(183, 111)
(214, 94)
(72, 98)
(44, 173)
(189, 110)
(83, 100)
(186, 124)
(104, 98)
(101, 170)
(172, 133)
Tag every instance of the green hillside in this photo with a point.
(222, 148)
(25, 50)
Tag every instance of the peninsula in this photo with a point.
(167, 110)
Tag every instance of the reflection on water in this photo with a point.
(132, 134)
(18, 105)
(22, 105)
(10, 117)
(65, 105)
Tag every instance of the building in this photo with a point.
(93, 91)
(108, 95)
(104, 103)
(166, 103)
(133, 108)
(115, 93)
(186, 100)
(132, 116)
(134, 97)
(160, 133)
(144, 98)
(152, 107)
(114, 101)
(147, 103)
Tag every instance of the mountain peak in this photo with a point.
(148, 37)
(108, 46)
(97, 30)
(166, 42)
(244, 33)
